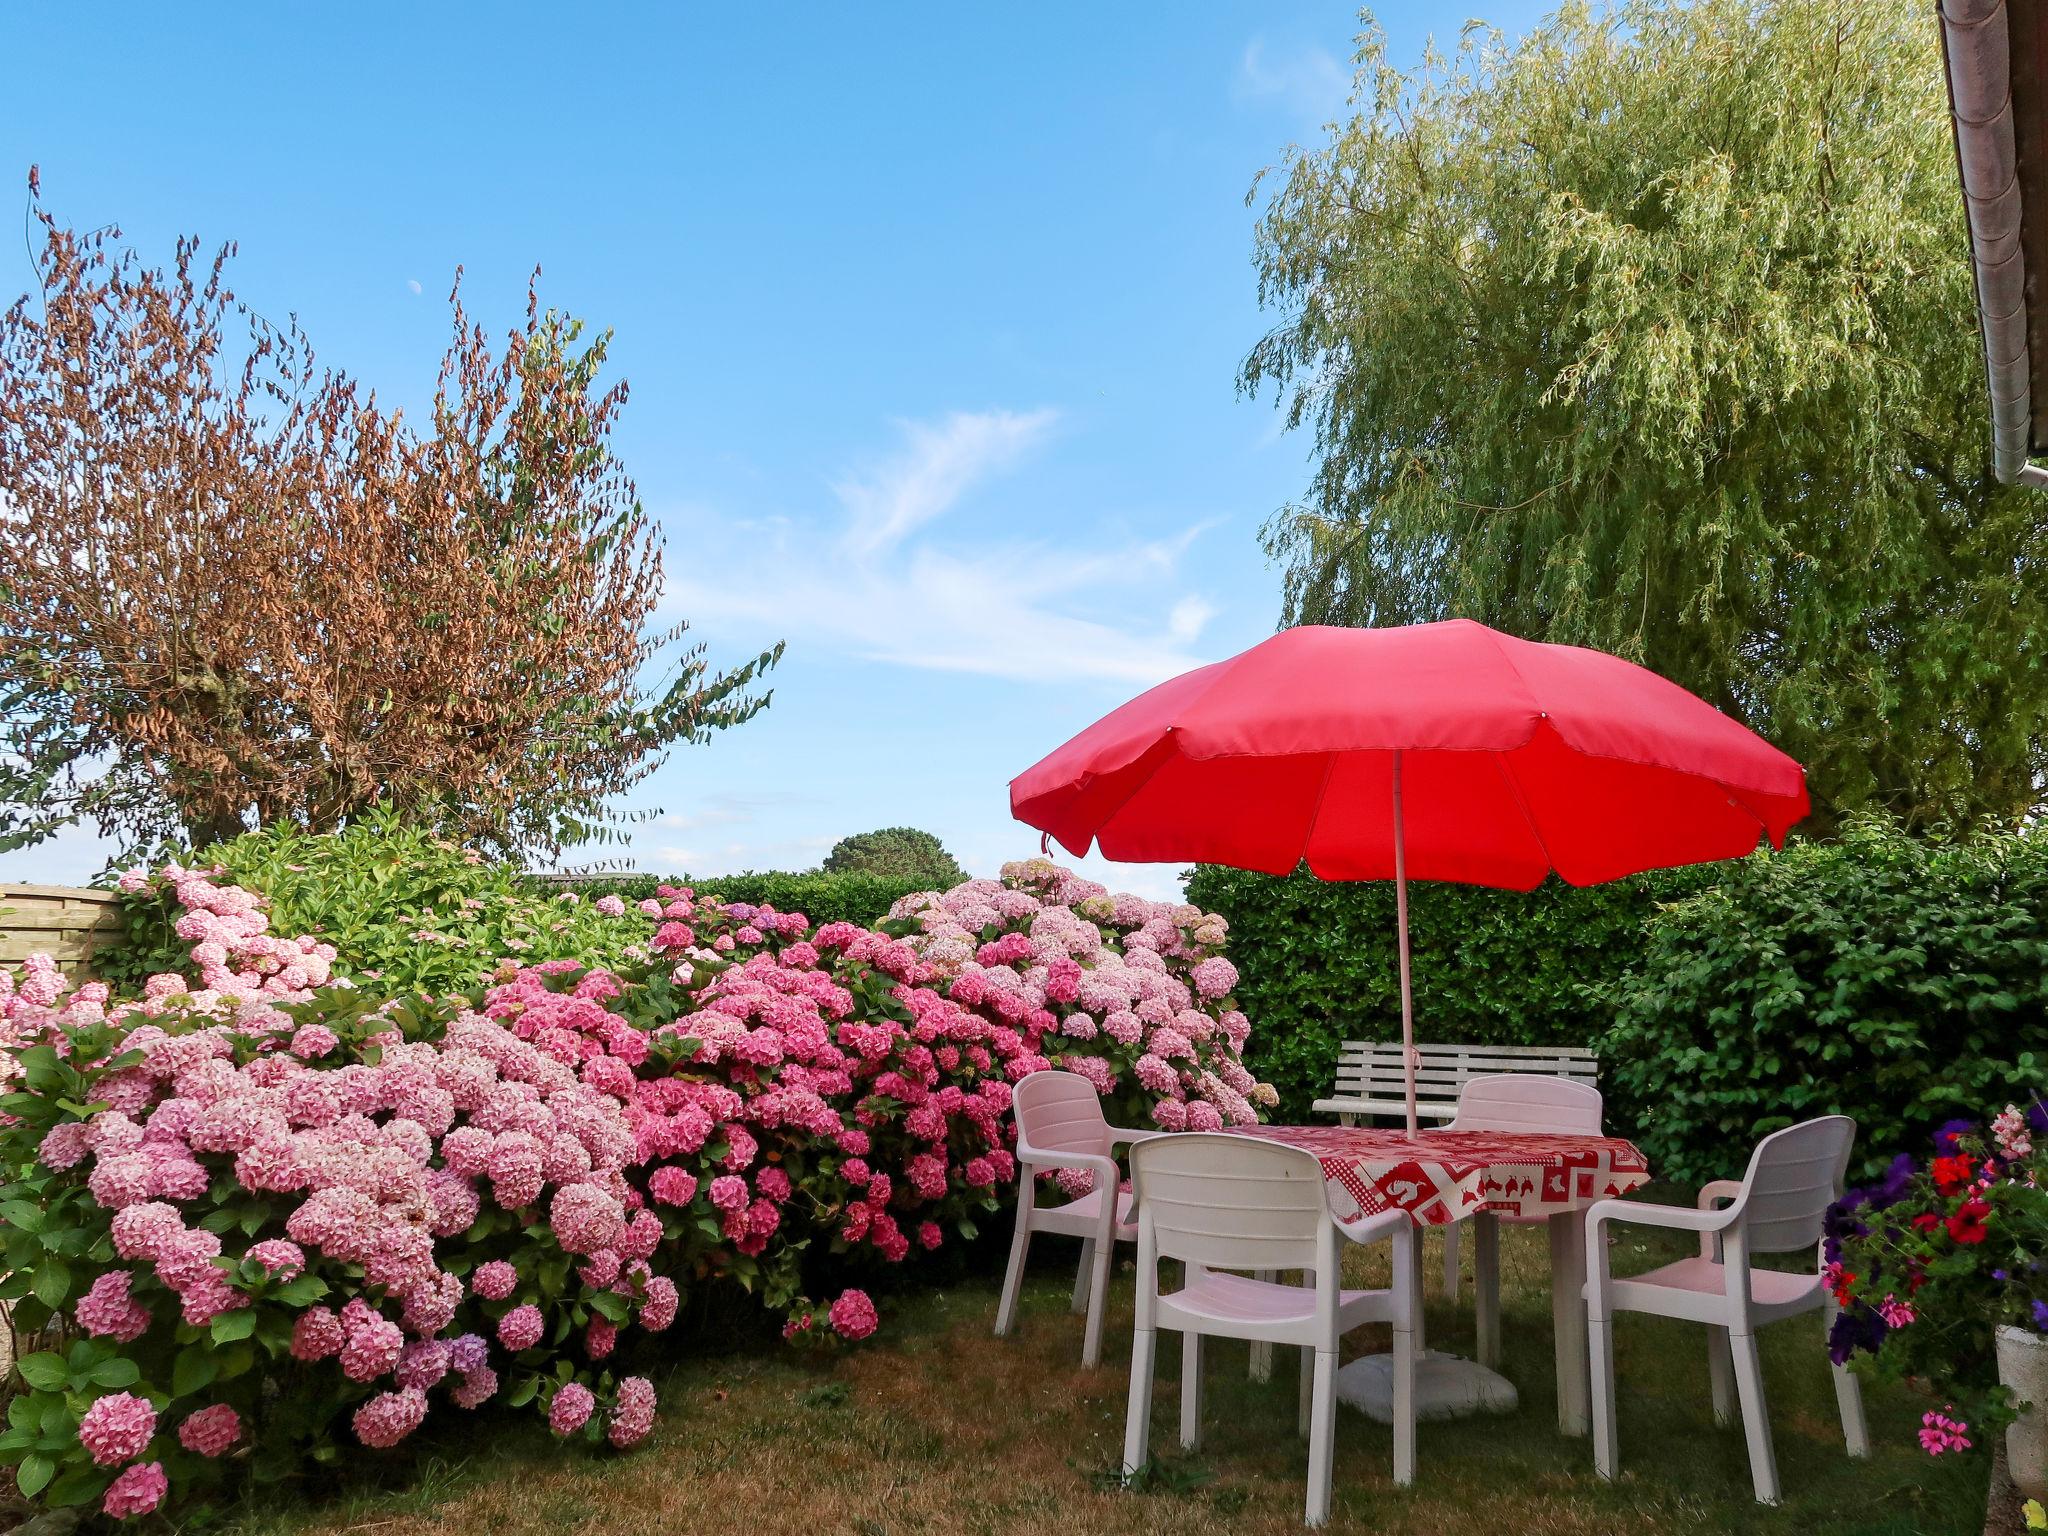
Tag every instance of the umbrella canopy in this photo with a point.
(1516, 759)
(1444, 751)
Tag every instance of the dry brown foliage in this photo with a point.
(234, 590)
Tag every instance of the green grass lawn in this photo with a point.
(936, 1427)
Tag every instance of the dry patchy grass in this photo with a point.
(939, 1428)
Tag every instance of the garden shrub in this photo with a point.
(1490, 967)
(247, 1201)
(823, 898)
(404, 908)
(1896, 979)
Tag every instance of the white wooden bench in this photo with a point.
(1372, 1081)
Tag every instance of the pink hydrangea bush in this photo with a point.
(268, 1211)
(1134, 995)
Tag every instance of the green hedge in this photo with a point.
(823, 898)
(1901, 981)
(1898, 980)
(1490, 967)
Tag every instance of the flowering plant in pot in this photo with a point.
(1940, 1276)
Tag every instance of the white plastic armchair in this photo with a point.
(1520, 1102)
(1777, 1207)
(1060, 1124)
(1220, 1203)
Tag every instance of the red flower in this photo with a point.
(1967, 1225)
(1926, 1221)
(1952, 1174)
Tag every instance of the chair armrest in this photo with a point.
(1644, 1213)
(1711, 1196)
(1105, 1169)
(1118, 1135)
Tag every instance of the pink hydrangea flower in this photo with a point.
(108, 1311)
(632, 1412)
(137, 1491)
(494, 1281)
(853, 1315)
(477, 1387)
(571, 1409)
(117, 1428)
(212, 1431)
(521, 1328)
(389, 1417)
(658, 1307)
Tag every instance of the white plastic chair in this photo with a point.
(1520, 1102)
(1794, 1175)
(1219, 1202)
(1060, 1125)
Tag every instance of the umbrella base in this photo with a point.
(1446, 1387)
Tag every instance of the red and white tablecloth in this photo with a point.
(1444, 1176)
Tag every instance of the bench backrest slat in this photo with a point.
(1369, 1068)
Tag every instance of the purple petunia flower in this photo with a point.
(1945, 1138)
(2041, 1315)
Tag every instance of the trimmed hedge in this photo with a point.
(1318, 964)
(1895, 979)
(823, 898)
(1901, 981)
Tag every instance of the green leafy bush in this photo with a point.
(1490, 967)
(823, 898)
(1898, 980)
(406, 908)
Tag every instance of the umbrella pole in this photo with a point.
(1401, 913)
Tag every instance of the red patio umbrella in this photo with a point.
(1443, 751)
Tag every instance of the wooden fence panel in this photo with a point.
(66, 922)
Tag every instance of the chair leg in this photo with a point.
(1720, 1375)
(1407, 1341)
(1081, 1273)
(1756, 1421)
(1138, 1416)
(1849, 1402)
(1600, 1349)
(1568, 1318)
(1262, 1349)
(1098, 1302)
(1191, 1391)
(1322, 1434)
(1013, 1277)
(1451, 1260)
(1486, 1287)
(1308, 1376)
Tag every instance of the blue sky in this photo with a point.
(932, 316)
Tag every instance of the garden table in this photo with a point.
(1439, 1177)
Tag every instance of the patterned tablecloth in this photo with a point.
(1444, 1176)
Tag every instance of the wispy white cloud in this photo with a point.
(937, 466)
(1308, 82)
(880, 579)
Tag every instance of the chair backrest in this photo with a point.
(1059, 1112)
(1230, 1202)
(1523, 1101)
(1794, 1176)
(1369, 1069)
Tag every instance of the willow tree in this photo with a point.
(1654, 331)
(235, 591)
